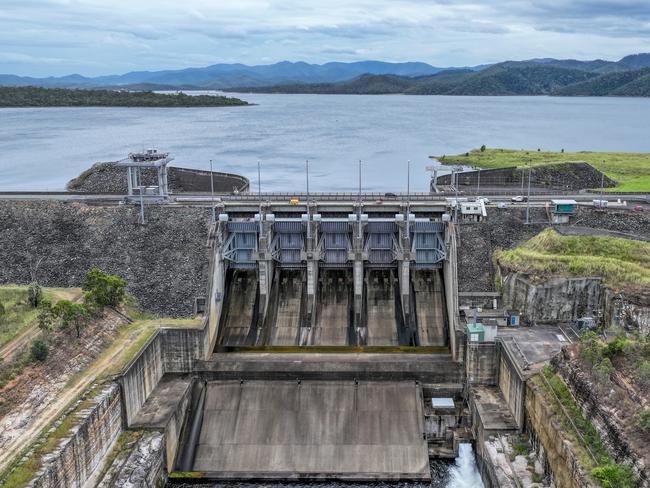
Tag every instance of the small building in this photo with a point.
(562, 210)
(473, 211)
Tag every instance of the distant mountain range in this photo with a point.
(533, 77)
(626, 77)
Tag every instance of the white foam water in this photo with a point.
(464, 473)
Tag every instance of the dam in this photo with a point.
(333, 330)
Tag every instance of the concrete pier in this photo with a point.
(314, 429)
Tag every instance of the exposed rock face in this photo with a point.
(110, 178)
(610, 409)
(558, 299)
(140, 467)
(164, 261)
(560, 176)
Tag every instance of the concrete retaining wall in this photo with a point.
(558, 299)
(79, 455)
(481, 363)
(512, 386)
(546, 431)
(141, 377)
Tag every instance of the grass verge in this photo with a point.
(621, 262)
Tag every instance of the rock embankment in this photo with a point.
(110, 178)
(164, 261)
(560, 176)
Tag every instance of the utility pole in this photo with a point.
(308, 215)
(214, 217)
(454, 175)
(528, 199)
(259, 190)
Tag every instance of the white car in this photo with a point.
(485, 200)
(518, 198)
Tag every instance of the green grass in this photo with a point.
(630, 170)
(620, 262)
(18, 312)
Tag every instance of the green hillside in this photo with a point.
(626, 83)
(630, 170)
(61, 97)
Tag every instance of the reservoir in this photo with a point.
(41, 149)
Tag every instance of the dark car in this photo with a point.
(390, 195)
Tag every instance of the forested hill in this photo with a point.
(60, 97)
(510, 78)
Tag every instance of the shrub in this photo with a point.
(603, 370)
(34, 294)
(2, 310)
(483, 148)
(615, 476)
(103, 289)
(617, 346)
(644, 373)
(39, 350)
(644, 420)
(591, 349)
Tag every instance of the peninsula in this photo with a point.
(30, 96)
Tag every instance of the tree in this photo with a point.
(591, 350)
(102, 289)
(2, 310)
(72, 316)
(34, 294)
(39, 350)
(47, 318)
(483, 148)
(603, 370)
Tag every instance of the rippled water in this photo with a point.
(462, 473)
(44, 148)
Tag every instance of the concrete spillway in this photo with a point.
(285, 319)
(238, 324)
(380, 308)
(428, 295)
(333, 309)
(329, 429)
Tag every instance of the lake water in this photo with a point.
(41, 149)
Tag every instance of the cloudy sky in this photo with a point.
(95, 37)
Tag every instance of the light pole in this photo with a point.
(528, 199)
(259, 190)
(359, 202)
(308, 216)
(408, 195)
(478, 184)
(214, 217)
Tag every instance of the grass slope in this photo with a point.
(630, 170)
(60, 97)
(623, 263)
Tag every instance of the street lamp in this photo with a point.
(214, 217)
(530, 169)
(259, 190)
(359, 202)
(308, 216)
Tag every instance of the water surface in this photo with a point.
(42, 148)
